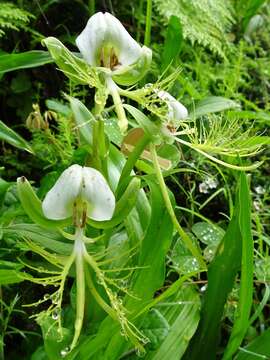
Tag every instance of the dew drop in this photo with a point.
(203, 288)
(55, 314)
(55, 298)
(46, 297)
(65, 351)
(140, 352)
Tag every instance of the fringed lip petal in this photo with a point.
(83, 183)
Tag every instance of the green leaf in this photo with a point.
(57, 106)
(151, 129)
(169, 152)
(208, 233)
(212, 104)
(258, 349)
(241, 322)
(29, 59)
(154, 248)
(54, 343)
(173, 42)
(183, 318)
(83, 118)
(182, 260)
(11, 137)
(45, 238)
(156, 328)
(4, 185)
(221, 276)
(203, 22)
(10, 277)
(113, 131)
(39, 354)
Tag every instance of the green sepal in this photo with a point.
(33, 208)
(123, 206)
(72, 66)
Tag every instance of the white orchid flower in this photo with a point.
(79, 185)
(106, 43)
(176, 110)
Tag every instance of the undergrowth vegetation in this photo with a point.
(134, 180)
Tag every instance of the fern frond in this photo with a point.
(12, 17)
(205, 22)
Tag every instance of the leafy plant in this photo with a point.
(171, 267)
(203, 22)
(13, 17)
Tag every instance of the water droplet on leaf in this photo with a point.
(65, 351)
(55, 314)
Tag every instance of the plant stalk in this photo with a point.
(120, 111)
(187, 240)
(80, 286)
(147, 36)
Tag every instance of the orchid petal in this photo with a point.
(58, 203)
(106, 43)
(129, 75)
(176, 110)
(105, 30)
(98, 195)
(79, 183)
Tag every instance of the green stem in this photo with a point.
(80, 289)
(140, 11)
(91, 7)
(133, 95)
(99, 150)
(95, 159)
(147, 36)
(122, 119)
(187, 240)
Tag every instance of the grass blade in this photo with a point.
(11, 137)
(241, 323)
(25, 60)
(221, 277)
(258, 349)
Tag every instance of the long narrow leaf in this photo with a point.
(29, 59)
(11, 137)
(241, 323)
(221, 277)
(258, 349)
